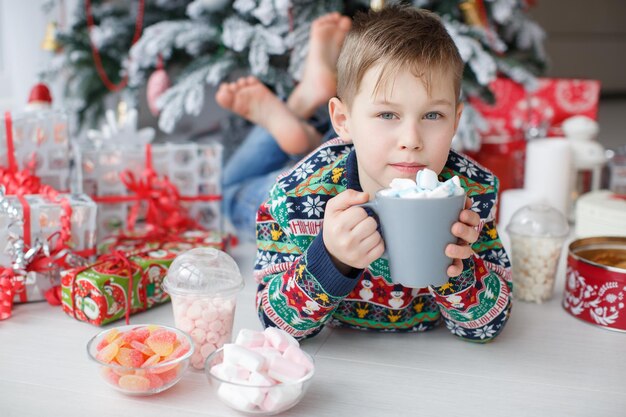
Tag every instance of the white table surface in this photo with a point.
(545, 363)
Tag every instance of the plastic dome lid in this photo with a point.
(538, 220)
(203, 271)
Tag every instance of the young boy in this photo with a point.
(319, 253)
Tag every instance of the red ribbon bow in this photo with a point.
(164, 209)
(9, 286)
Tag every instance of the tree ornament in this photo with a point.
(158, 83)
(50, 42)
(471, 13)
(39, 98)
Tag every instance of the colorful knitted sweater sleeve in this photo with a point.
(299, 286)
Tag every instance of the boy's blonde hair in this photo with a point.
(397, 37)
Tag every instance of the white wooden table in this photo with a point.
(545, 363)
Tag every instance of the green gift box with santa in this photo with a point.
(116, 286)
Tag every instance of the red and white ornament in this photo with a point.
(39, 98)
(158, 83)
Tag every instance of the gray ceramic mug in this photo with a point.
(416, 232)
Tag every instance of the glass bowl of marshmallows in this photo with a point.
(262, 373)
(141, 359)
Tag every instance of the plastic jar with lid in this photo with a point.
(537, 233)
(203, 284)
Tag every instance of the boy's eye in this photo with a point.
(432, 116)
(386, 116)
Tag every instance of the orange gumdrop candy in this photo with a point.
(141, 348)
(178, 352)
(155, 380)
(107, 353)
(134, 383)
(129, 358)
(161, 342)
(112, 335)
(152, 360)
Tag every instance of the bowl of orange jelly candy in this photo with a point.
(141, 359)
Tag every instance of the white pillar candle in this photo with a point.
(548, 172)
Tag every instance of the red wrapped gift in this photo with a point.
(505, 158)
(516, 110)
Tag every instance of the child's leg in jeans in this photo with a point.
(257, 155)
(245, 201)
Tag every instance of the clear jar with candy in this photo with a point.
(203, 284)
(537, 233)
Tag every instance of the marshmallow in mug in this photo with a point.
(426, 185)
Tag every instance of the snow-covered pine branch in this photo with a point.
(187, 96)
(162, 38)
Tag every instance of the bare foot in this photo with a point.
(249, 98)
(319, 79)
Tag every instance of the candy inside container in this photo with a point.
(262, 373)
(203, 284)
(141, 359)
(537, 233)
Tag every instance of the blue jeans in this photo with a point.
(247, 178)
(249, 175)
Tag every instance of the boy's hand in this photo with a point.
(349, 234)
(466, 230)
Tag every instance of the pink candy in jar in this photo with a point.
(203, 284)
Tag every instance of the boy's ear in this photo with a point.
(459, 111)
(339, 117)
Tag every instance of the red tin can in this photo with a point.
(595, 285)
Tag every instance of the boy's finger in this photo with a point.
(345, 200)
(465, 232)
(364, 227)
(470, 218)
(455, 269)
(458, 251)
(349, 219)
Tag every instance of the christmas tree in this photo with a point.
(205, 41)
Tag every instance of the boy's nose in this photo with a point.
(411, 137)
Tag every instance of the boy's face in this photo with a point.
(399, 131)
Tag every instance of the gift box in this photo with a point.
(37, 141)
(117, 180)
(518, 113)
(43, 224)
(138, 241)
(115, 286)
(98, 294)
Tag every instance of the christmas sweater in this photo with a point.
(300, 290)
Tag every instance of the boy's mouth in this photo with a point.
(408, 167)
